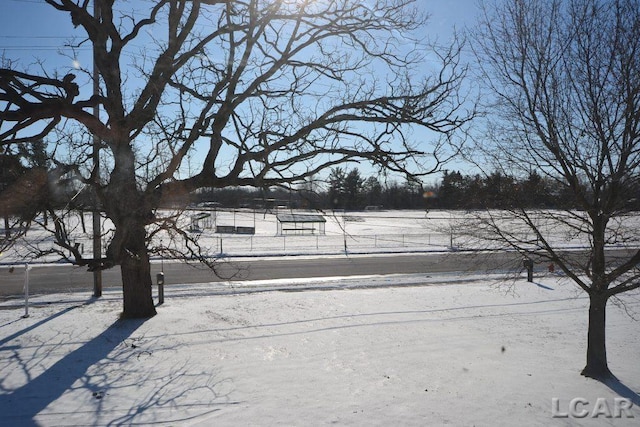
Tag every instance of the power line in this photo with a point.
(37, 46)
(49, 48)
(35, 37)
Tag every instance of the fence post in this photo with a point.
(528, 264)
(27, 267)
(160, 279)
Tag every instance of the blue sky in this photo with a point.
(32, 31)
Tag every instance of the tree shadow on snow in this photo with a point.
(41, 322)
(22, 405)
(622, 390)
(540, 285)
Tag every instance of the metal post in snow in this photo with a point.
(27, 267)
(451, 238)
(451, 230)
(528, 265)
(96, 231)
(160, 280)
(344, 232)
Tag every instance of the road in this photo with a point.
(62, 278)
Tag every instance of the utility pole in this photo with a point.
(97, 228)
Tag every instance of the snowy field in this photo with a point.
(434, 350)
(449, 352)
(359, 232)
(362, 232)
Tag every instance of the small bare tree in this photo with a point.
(565, 76)
(218, 93)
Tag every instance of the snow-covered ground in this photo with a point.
(363, 232)
(455, 351)
(448, 349)
(359, 232)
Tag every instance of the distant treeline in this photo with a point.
(351, 191)
(24, 195)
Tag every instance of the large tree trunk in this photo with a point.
(136, 276)
(596, 343)
(128, 248)
(130, 213)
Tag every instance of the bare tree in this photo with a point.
(565, 79)
(25, 192)
(218, 93)
(13, 203)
